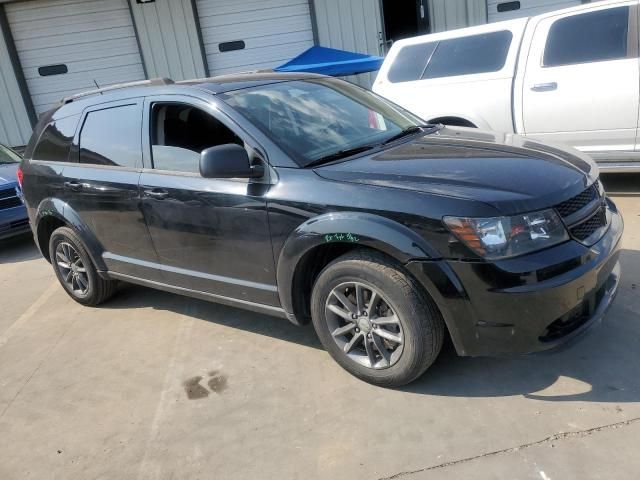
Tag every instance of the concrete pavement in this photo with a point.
(157, 386)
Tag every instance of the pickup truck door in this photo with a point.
(582, 76)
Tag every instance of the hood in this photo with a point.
(511, 173)
(8, 174)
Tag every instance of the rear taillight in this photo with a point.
(20, 176)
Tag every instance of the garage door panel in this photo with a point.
(75, 24)
(77, 40)
(69, 54)
(61, 13)
(257, 56)
(223, 7)
(273, 31)
(257, 18)
(95, 39)
(81, 68)
(80, 83)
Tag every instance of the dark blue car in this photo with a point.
(13, 214)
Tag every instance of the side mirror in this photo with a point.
(228, 161)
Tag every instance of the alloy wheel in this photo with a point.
(364, 325)
(72, 270)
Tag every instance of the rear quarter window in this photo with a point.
(588, 37)
(112, 136)
(55, 141)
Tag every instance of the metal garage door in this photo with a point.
(499, 10)
(241, 36)
(64, 45)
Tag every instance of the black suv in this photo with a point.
(312, 199)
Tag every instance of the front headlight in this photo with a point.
(503, 237)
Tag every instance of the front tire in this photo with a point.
(375, 320)
(75, 270)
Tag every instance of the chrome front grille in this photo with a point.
(9, 198)
(585, 214)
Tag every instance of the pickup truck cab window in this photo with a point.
(111, 136)
(589, 37)
(179, 132)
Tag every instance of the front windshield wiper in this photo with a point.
(339, 155)
(407, 131)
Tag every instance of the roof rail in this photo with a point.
(96, 91)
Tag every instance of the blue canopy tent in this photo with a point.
(329, 61)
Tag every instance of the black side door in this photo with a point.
(211, 235)
(102, 187)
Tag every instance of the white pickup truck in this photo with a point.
(569, 76)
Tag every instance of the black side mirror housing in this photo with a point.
(228, 161)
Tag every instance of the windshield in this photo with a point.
(319, 118)
(8, 156)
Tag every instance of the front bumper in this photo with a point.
(526, 304)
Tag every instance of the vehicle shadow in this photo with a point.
(18, 249)
(604, 366)
(133, 296)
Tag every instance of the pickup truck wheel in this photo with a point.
(75, 270)
(374, 320)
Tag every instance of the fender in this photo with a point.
(53, 207)
(365, 229)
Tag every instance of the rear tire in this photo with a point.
(400, 330)
(75, 271)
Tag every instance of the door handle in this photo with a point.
(545, 87)
(156, 193)
(74, 186)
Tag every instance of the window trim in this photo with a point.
(633, 48)
(74, 152)
(208, 107)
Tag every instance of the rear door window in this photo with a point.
(113, 136)
(470, 55)
(410, 62)
(56, 140)
(588, 37)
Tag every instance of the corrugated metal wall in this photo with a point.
(15, 127)
(452, 14)
(169, 39)
(353, 25)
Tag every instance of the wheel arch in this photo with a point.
(53, 213)
(455, 121)
(322, 239)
